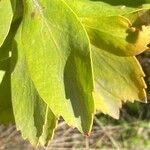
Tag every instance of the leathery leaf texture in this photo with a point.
(69, 59)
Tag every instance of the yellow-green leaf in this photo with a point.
(6, 15)
(117, 79)
(57, 56)
(104, 32)
(30, 111)
(48, 128)
(118, 29)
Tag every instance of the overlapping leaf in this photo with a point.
(106, 8)
(5, 49)
(107, 24)
(116, 78)
(57, 55)
(32, 116)
(6, 16)
(17, 6)
(6, 112)
(104, 32)
(56, 70)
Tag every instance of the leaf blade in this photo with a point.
(5, 22)
(6, 112)
(61, 71)
(107, 24)
(30, 111)
(117, 79)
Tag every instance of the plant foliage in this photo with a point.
(69, 58)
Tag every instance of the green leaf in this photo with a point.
(6, 16)
(57, 55)
(5, 49)
(125, 2)
(6, 112)
(88, 8)
(31, 113)
(117, 79)
(110, 29)
(48, 128)
(107, 24)
(17, 6)
(105, 31)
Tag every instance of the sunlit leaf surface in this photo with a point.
(69, 58)
(6, 15)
